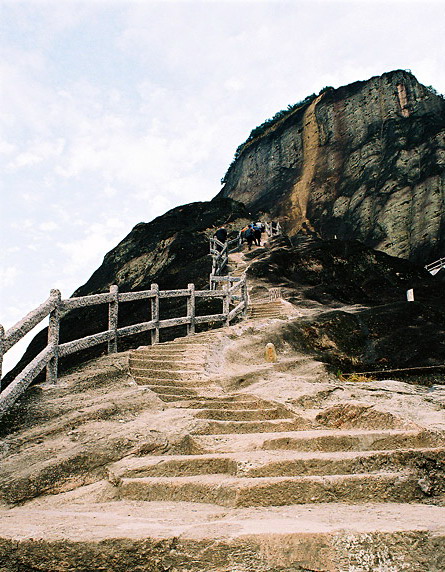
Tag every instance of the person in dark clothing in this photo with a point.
(249, 236)
(221, 235)
(257, 234)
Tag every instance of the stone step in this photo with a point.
(267, 316)
(164, 362)
(169, 352)
(164, 381)
(265, 426)
(173, 373)
(229, 405)
(403, 439)
(254, 313)
(194, 342)
(320, 440)
(152, 371)
(274, 463)
(165, 359)
(172, 390)
(147, 368)
(266, 312)
(170, 398)
(265, 309)
(274, 491)
(245, 414)
(208, 538)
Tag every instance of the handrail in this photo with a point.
(26, 324)
(55, 307)
(436, 265)
(220, 251)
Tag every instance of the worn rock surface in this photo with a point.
(200, 455)
(364, 162)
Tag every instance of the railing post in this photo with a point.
(2, 351)
(155, 314)
(191, 309)
(226, 302)
(245, 295)
(113, 313)
(53, 338)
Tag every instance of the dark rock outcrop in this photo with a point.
(348, 272)
(365, 161)
(382, 330)
(397, 336)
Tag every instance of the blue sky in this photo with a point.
(112, 112)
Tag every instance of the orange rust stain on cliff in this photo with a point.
(403, 99)
(300, 193)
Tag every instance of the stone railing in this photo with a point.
(273, 228)
(220, 253)
(234, 302)
(434, 267)
(220, 250)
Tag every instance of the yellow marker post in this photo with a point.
(271, 353)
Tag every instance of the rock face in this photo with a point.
(369, 324)
(365, 162)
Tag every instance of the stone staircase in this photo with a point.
(254, 452)
(266, 470)
(255, 488)
(248, 453)
(173, 370)
(267, 310)
(259, 308)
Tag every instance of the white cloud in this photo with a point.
(48, 226)
(88, 251)
(6, 148)
(8, 275)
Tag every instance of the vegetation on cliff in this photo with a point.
(260, 130)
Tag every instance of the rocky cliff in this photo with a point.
(365, 161)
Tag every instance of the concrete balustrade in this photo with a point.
(233, 304)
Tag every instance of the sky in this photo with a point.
(112, 112)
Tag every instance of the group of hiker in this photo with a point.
(250, 234)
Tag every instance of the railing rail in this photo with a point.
(55, 308)
(220, 250)
(432, 267)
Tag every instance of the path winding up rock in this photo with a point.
(213, 459)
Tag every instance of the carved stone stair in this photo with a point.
(173, 370)
(263, 310)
